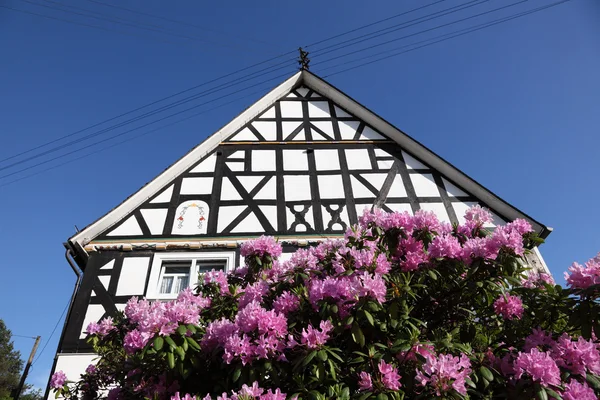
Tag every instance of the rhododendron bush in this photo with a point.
(403, 307)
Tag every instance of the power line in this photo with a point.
(52, 334)
(111, 19)
(163, 108)
(480, 27)
(158, 110)
(180, 102)
(131, 138)
(139, 127)
(398, 26)
(82, 24)
(173, 20)
(152, 103)
(22, 336)
(371, 24)
(426, 30)
(140, 117)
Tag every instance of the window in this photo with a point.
(173, 272)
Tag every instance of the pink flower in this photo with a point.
(578, 356)
(187, 396)
(538, 338)
(314, 338)
(426, 220)
(413, 253)
(389, 375)
(135, 340)
(91, 369)
(58, 380)
(510, 307)
(478, 216)
(254, 292)
(582, 277)
(445, 373)
(423, 349)
(539, 366)
(578, 391)
(220, 278)
(286, 303)
(506, 238)
(444, 246)
(373, 286)
(477, 248)
(365, 382)
(261, 246)
(537, 280)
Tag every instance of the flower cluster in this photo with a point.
(261, 246)
(582, 277)
(444, 373)
(245, 393)
(509, 306)
(314, 338)
(161, 318)
(255, 334)
(100, 329)
(399, 307)
(58, 380)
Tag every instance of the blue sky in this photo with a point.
(515, 106)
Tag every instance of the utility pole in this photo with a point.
(26, 371)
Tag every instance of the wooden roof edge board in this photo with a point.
(306, 78)
(144, 193)
(422, 152)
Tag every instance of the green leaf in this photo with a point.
(553, 394)
(182, 330)
(486, 373)
(236, 374)
(541, 394)
(369, 317)
(365, 396)
(191, 328)
(158, 343)
(170, 342)
(331, 369)
(433, 276)
(171, 360)
(180, 352)
(322, 354)
(309, 357)
(593, 381)
(382, 396)
(193, 344)
(357, 335)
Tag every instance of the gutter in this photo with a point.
(70, 259)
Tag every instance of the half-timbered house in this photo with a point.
(301, 164)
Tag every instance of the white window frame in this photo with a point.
(156, 271)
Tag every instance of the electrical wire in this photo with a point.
(397, 27)
(83, 24)
(468, 30)
(175, 21)
(210, 91)
(370, 24)
(23, 336)
(51, 334)
(191, 98)
(132, 138)
(426, 30)
(134, 129)
(150, 104)
(111, 19)
(140, 117)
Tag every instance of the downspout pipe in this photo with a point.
(79, 274)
